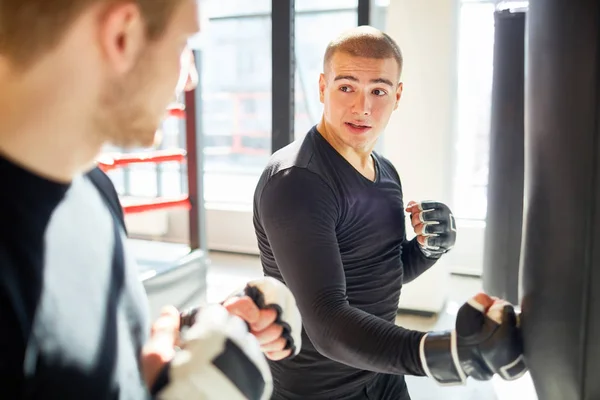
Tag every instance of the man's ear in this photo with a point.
(122, 35)
(322, 85)
(398, 94)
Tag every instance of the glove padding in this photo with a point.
(267, 293)
(219, 359)
(478, 347)
(439, 227)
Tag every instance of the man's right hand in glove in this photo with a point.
(224, 345)
(269, 309)
(486, 341)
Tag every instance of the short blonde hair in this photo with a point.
(29, 28)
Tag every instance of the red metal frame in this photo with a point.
(111, 162)
(157, 204)
(107, 163)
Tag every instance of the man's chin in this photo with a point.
(145, 141)
(150, 141)
(361, 144)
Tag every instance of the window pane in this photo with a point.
(474, 105)
(236, 96)
(227, 8)
(313, 33)
(312, 5)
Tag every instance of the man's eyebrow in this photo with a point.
(355, 79)
(347, 77)
(384, 81)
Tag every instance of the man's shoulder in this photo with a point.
(298, 153)
(295, 165)
(106, 188)
(297, 158)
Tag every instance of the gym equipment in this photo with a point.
(502, 245)
(560, 251)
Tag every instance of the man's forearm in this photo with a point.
(358, 339)
(414, 261)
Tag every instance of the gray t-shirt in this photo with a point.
(73, 312)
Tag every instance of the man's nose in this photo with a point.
(362, 105)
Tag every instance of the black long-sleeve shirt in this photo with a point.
(338, 241)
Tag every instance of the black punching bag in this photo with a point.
(502, 244)
(561, 219)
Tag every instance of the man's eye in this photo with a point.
(379, 92)
(344, 88)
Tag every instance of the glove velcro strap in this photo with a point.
(440, 358)
(514, 370)
(162, 380)
(240, 370)
(431, 254)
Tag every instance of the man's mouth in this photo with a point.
(358, 126)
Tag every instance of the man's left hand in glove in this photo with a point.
(435, 226)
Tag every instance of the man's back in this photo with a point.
(72, 309)
(367, 218)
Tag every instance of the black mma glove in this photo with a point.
(435, 223)
(479, 346)
(267, 293)
(219, 359)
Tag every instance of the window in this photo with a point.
(314, 30)
(227, 8)
(329, 5)
(236, 99)
(236, 110)
(475, 63)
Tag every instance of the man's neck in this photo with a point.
(360, 159)
(45, 136)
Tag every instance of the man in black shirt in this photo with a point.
(76, 75)
(330, 223)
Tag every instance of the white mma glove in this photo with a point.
(268, 293)
(219, 359)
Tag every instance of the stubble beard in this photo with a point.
(123, 118)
